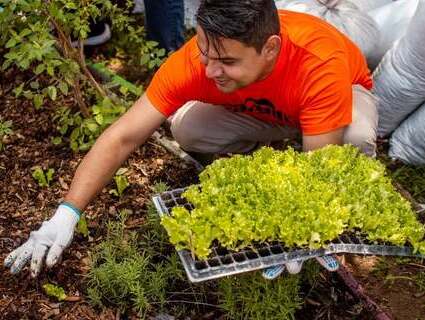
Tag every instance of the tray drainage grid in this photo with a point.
(223, 262)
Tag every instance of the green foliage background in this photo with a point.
(36, 37)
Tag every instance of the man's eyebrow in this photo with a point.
(229, 58)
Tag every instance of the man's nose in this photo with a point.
(213, 69)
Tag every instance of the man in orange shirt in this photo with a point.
(251, 74)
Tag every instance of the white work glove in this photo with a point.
(327, 262)
(55, 234)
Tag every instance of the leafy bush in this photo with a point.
(249, 296)
(37, 37)
(301, 199)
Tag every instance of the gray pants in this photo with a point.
(206, 128)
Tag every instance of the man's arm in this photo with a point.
(111, 149)
(312, 142)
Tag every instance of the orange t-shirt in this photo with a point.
(310, 86)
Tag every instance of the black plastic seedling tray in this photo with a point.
(223, 262)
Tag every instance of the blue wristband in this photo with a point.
(72, 208)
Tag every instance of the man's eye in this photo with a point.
(228, 62)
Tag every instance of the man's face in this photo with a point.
(235, 66)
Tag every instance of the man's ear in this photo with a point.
(271, 48)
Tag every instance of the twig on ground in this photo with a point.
(174, 148)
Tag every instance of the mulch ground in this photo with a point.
(24, 206)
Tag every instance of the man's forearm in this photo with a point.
(96, 170)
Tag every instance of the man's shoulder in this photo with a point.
(187, 54)
(311, 34)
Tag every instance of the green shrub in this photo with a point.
(251, 297)
(123, 275)
(36, 37)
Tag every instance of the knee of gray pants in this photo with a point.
(362, 131)
(365, 141)
(206, 128)
(185, 130)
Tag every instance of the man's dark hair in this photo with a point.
(251, 22)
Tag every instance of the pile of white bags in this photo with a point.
(368, 5)
(400, 77)
(190, 8)
(408, 142)
(392, 21)
(345, 16)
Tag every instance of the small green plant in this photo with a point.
(249, 296)
(402, 260)
(311, 271)
(122, 273)
(412, 178)
(121, 183)
(160, 187)
(43, 177)
(82, 226)
(382, 267)
(5, 130)
(420, 281)
(55, 291)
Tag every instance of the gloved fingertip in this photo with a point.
(8, 261)
(34, 273)
(16, 269)
(21, 261)
(54, 254)
(294, 267)
(51, 260)
(35, 268)
(11, 258)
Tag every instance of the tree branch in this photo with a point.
(76, 54)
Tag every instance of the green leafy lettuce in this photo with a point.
(300, 199)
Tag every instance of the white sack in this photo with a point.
(408, 142)
(400, 77)
(281, 4)
(392, 21)
(346, 17)
(139, 6)
(367, 5)
(190, 9)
